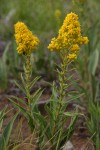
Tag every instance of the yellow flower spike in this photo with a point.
(69, 37)
(25, 40)
(67, 43)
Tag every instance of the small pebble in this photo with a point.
(68, 146)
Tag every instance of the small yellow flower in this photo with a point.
(85, 40)
(75, 48)
(55, 44)
(25, 40)
(72, 57)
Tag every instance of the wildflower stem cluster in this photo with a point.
(67, 44)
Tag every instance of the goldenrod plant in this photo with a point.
(54, 128)
(50, 129)
(27, 43)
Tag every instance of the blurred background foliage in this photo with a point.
(41, 17)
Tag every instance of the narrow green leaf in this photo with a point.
(35, 98)
(19, 100)
(93, 62)
(23, 81)
(6, 133)
(20, 87)
(70, 114)
(33, 82)
(19, 107)
(5, 55)
(25, 113)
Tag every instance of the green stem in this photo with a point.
(62, 91)
(28, 73)
(62, 81)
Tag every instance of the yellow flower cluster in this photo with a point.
(72, 57)
(25, 40)
(69, 38)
